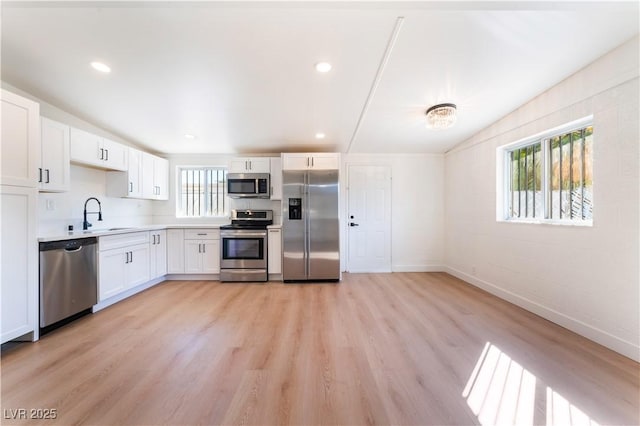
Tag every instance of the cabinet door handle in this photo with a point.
(101, 154)
(130, 186)
(47, 170)
(158, 238)
(126, 257)
(107, 155)
(131, 256)
(154, 240)
(312, 161)
(201, 234)
(204, 248)
(307, 161)
(39, 174)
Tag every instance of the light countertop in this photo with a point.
(120, 230)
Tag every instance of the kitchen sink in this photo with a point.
(93, 231)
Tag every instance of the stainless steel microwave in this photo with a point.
(249, 185)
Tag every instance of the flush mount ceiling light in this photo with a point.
(320, 135)
(323, 67)
(441, 116)
(189, 136)
(99, 66)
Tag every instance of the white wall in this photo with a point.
(417, 204)
(584, 278)
(58, 210)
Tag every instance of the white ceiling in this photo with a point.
(240, 75)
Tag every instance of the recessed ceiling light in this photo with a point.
(189, 136)
(323, 67)
(99, 66)
(320, 135)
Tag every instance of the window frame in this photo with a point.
(180, 211)
(504, 181)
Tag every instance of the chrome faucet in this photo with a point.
(85, 223)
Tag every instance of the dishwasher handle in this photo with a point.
(73, 250)
(68, 245)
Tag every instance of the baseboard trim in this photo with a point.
(193, 277)
(608, 340)
(118, 297)
(417, 268)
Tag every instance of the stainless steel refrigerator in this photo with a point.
(310, 226)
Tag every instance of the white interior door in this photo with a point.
(369, 218)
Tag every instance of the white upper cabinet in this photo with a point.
(161, 177)
(92, 150)
(116, 155)
(127, 184)
(250, 165)
(54, 171)
(20, 144)
(276, 178)
(155, 177)
(311, 161)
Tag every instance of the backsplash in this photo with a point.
(56, 211)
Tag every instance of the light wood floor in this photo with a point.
(403, 348)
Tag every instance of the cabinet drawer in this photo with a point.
(201, 234)
(109, 242)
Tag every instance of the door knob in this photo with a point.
(353, 224)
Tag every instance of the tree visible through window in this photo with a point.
(201, 192)
(551, 177)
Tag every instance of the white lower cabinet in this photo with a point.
(275, 251)
(202, 251)
(175, 251)
(123, 263)
(19, 272)
(158, 254)
(112, 272)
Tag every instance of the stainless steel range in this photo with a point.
(243, 246)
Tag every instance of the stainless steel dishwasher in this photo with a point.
(68, 279)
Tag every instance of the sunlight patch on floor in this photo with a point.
(501, 392)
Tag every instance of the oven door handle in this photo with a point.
(235, 234)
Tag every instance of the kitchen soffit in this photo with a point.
(240, 75)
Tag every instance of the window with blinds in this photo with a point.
(202, 192)
(550, 178)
